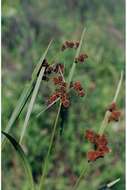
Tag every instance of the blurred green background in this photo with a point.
(27, 27)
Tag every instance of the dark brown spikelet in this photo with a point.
(52, 98)
(78, 88)
(114, 113)
(76, 44)
(70, 44)
(45, 78)
(81, 58)
(66, 103)
(112, 107)
(100, 143)
(81, 93)
(114, 116)
(49, 70)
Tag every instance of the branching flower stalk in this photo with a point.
(44, 172)
(101, 131)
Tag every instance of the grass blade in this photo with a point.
(37, 68)
(20, 105)
(23, 159)
(30, 107)
(24, 96)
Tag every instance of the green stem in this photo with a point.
(49, 150)
(105, 121)
(76, 55)
(118, 87)
(81, 176)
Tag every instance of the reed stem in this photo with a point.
(42, 181)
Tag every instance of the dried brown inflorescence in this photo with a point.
(63, 88)
(78, 88)
(70, 44)
(114, 113)
(100, 145)
(81, 58)
(51, 69)
(62, 91)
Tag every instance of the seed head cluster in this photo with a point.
(81, 58)
(60, 92)
(62, 88)
(78, 88)
(51, 69)
(70, 44)
(114, 113)
(100, 145)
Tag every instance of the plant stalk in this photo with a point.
(42, 181)
(81, 176)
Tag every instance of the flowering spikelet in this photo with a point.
(100, 144)
(114, 113)
(70, 44)
(89, 135)
(48, 70)
(78, 88)
(81, 58)
(114, 116)
(61, 92)
(57, 80)
(81, 93)
(66, 103)
(53, 98)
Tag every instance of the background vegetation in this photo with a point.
(27, 27)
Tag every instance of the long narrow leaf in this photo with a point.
(20, 105)
(23, 159)
(30, 107)
(37, 68)
(24, 96)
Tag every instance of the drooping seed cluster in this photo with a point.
(70, 44)
(114, 113)
(100, 145)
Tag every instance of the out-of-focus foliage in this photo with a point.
(27, 27)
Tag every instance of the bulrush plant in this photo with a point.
(99, 140)
(63, 86)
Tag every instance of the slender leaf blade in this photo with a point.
(23, 159)
(30, 107)
(20, 105)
